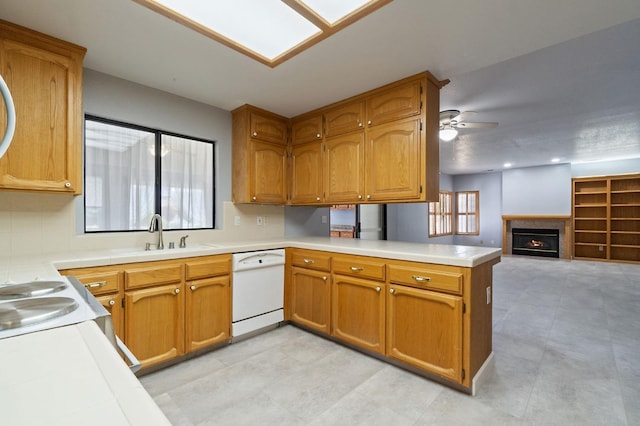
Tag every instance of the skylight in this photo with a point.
(270, 31)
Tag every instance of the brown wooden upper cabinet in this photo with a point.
(380, 146)
(306, 130)
(344, 118)
(395, 103)
(259, 156)
(44, 75)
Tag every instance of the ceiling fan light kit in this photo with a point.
(452, 119)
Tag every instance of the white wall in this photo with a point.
(544, 190)
(306, 221)
(604, 168)
(489, 186)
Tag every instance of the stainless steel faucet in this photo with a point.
(157, 219)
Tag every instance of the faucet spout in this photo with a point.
(156, 220)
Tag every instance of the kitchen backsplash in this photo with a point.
(46, 223)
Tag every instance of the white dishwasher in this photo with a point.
(258, 290)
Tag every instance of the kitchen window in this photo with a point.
(440, 215)
(133, 172)
(467, 213)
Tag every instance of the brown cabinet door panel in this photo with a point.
(268, 168)
(424, 329)
(268, 129)
(358, 312)
(208, 312)
(311, 299)
(394, 103)
(344, 119)
(344, 168)
(306, 174)
(307, 130)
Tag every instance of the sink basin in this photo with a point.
(24, 312)
(30, 289)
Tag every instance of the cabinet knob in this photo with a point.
(254, 134)
(193, 287)
(378, 289)
(317, 198)
(368, 197)
(67, 185)
(176, 291)
(359, 124)
(324, 278)
(359, 197)
(318, 135)
(369, 122)
(253, 198)
(392, 291)
(112, 302)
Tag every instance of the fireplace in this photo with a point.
(535, 242)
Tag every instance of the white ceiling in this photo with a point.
(561, 76)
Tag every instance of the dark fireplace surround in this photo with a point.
(562, 223)
(535, 242)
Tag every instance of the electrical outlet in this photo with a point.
(236, 220)
(259, 220)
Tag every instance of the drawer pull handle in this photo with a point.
(96, 284)
(357, 268)
(378, 289)
(309, 261)
(422, 279)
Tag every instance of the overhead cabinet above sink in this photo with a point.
(380, 147)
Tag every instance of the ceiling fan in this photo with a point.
(451, 120)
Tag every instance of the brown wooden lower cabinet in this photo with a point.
(424, 329)
(155, 323)
(311, 298)
(207, 310)
(358, 312)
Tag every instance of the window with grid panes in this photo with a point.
(440, 215)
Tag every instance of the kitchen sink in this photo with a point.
(30, 289)
(25, 312)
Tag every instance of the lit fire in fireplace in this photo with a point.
(535, 244)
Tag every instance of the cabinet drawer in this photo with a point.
(359, 266)
(450, 282)
(101, 282)
(311, 259)
(203, 268)
(152, 275)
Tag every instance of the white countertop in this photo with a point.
(26, 268)
(70, 376)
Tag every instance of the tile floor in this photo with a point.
(566, 345)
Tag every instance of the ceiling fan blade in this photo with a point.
(464, 115)
(477, 125)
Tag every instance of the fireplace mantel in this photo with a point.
(565, 219)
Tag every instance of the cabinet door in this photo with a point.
(344, 168)
(113, 304)
(154, 323)
(424, 329)
(46, 151)
(311, 299)
(208, 312)
(358, 312)
(307, 130)
(268, 129)
(306, 174)
(394, 103)
(267, 179)
(344, 119)
(393, 162)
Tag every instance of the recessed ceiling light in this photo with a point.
(555, 160)
(269, 31)
(507, 165)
